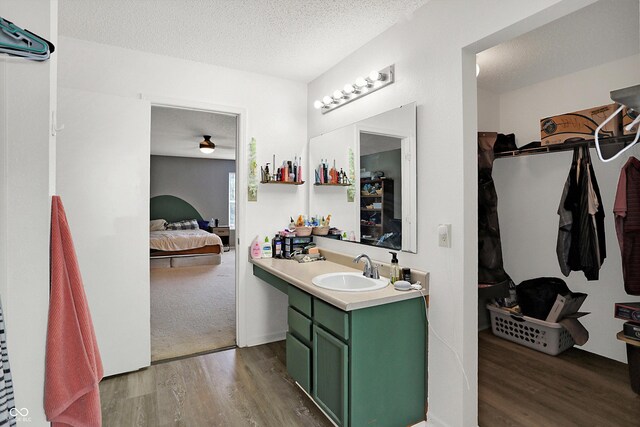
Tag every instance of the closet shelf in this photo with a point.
(566, 146)
(629, 96)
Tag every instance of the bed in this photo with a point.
(177, 243)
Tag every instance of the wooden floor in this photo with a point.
(239, 387)
(522, 387)
(250, 387)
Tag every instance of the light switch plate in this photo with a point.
(444, 235)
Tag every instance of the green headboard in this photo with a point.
(172, 208)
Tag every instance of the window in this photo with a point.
(232, 200)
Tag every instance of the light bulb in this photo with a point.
(206, 150)
(374, 76)
(317, 104)
(337, 95)
(348, 88)
(327, 100)
(361, 82)
(477, 70)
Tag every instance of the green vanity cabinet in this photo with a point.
(365, 367)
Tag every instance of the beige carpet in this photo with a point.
(193, 309)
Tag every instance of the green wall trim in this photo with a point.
(172, 209)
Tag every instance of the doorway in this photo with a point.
(520, 82)
(193, 225)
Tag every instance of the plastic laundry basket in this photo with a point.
(550, 338)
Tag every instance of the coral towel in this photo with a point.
(73, 364)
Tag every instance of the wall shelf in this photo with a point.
(318, 184)
(282, 182)
(566, 146)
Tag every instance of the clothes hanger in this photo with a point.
(19, 42)
(628, 128)
(627, 97)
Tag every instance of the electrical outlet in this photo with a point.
(444, 235)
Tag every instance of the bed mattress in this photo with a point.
(180, 240)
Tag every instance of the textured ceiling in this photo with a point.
(371, 143)
(178, 132)
(292, 39)
(602, 32)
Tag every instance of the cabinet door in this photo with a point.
(299, 362)
(330, 375)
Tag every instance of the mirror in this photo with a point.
(371, 196)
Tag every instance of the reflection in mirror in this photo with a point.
(378, 156)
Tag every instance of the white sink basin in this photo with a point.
(349, 282)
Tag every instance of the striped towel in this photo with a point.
(7, 406)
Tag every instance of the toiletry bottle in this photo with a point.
(406, 274)
(277, 246)
(395, 268)
(256, 249)
(266, 248)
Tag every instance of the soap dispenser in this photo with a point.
(394, 274)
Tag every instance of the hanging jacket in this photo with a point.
(564, 231)
(587, 249)
(626, 209)
(490, 264)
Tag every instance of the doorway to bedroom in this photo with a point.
(192, 232)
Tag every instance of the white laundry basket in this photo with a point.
(550, 338)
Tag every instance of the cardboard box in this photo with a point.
(566, 305)
(631, 330)
(628, 311)
(579, 124)
(629, 115)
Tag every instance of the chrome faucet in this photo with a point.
(370, 269)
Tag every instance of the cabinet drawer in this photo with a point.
(301, 300)
(299, 325)
(299, 362)
(333, 319)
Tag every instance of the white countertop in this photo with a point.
(301, 274)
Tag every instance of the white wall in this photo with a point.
(529, 190)
(27, 92)
(433, 69)
(276, 117)
(328, 200)
(488, 111)
(204, 183)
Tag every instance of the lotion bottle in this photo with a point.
(266, 248)
(256, 250)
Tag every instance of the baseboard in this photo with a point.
(433, 421)
(265, 339)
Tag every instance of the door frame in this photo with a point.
(241, 185)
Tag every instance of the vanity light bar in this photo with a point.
(361, 87)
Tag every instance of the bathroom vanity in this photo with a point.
(361, 356)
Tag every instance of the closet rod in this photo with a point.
(566, 146)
